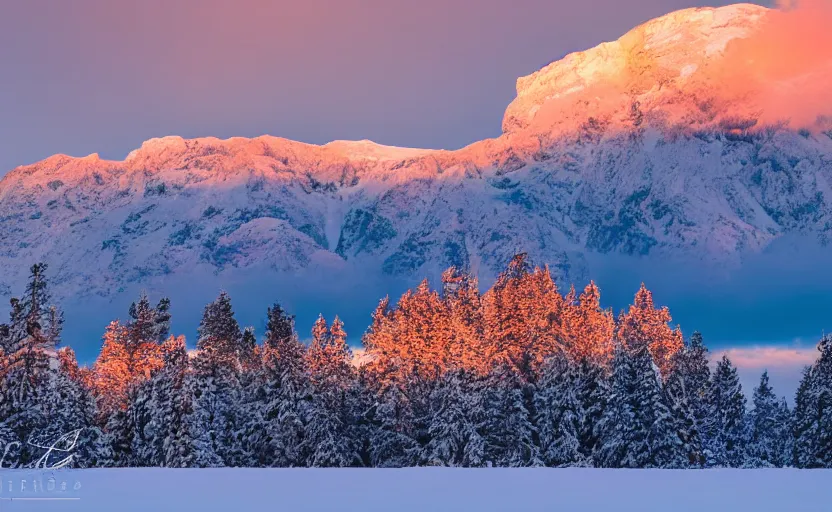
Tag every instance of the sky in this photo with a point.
(97, 76)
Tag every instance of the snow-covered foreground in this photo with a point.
(423, 489)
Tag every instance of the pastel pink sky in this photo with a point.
(101, 76)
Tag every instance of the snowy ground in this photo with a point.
(421, 489)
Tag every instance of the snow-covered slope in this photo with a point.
(420, 489)
(627, 148)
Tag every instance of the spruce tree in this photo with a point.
(204, 435)
(813, 412)
(172, 404)
(769, 428)
(455, 423)
(510, 435)
(558, 415)
(141, 327)
(327, 438)
(726, 430)
(592, 389)
(637, 427)
(215, 386)
(392, 442)
(687, 392)
(286, 396)
(71, 412)
(159, 436)
(31, 337)
(121, 429)
(219, 337)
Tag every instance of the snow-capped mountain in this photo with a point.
(639, 146)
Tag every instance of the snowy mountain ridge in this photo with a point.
(628, 148)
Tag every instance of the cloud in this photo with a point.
(768, 358)
(784, 365)
(786, 66)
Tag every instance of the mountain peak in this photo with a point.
(659, 53)
(369, 150)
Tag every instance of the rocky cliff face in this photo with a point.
(662, 60)
(627, 148)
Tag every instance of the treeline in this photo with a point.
(520, 375)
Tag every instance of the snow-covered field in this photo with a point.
(423, 489)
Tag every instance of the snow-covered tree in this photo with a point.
(70, 408)
(637, 427)
(558, 415)
(592, 389)
(588, 330)
(813, 412)
(687, 393)
(455, 423)
(112, 373)
(522, 317)
(219, 336)
(726, 432)
(159, 408)
(285, 395)
(467, 345)
(327, 440)
(507, 427)
(215, 384)
(769, 428)
(26, 370)
(393, 430)
(644, 325)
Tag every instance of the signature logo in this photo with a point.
(56, 455)
(40, 484)
(64, 446)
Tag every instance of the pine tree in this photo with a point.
(726, 432)
(22, 413)
(28, 346)
(141, 412)
(316, 355)
(112, 371)
(392, 436)
(31, 337)
(510, 435)
(645, 326)
(522, 317)
(463, 303)
(592, 390)
(215, 386)
(121, 429)
(43, 321)
(131, 353)
(159, 408)
(619, 445)
(203, 429)
(588, 330)
(455, 423)
(173, 402)
(637, 427)
(247, 354)
(813, 412)
(558, 415)
(687, 393)
(220, 339)
(286, 395)
(71, 409)
(327, 439)
(769, 428)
